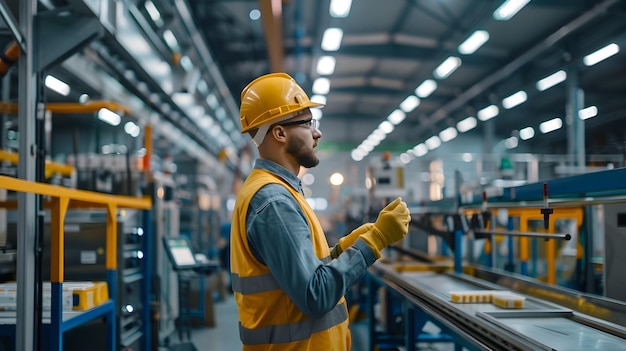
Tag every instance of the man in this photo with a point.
(288, 285)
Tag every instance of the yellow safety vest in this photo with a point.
(268, 319)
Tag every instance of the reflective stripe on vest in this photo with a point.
(275, 334)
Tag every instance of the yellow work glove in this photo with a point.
(391, 226)
(348, 240)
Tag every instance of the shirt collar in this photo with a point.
(280, 171)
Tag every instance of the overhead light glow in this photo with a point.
(321, 86)
(588, 112)
(420, 150)
(396, 117)
(326, 65)
(357, 155)
(170, 40)
(514, 99)
(320, 99)
(445, 69)
(132, 129)
(331, 39)
(57, 85)
(551, 80)
(386, 127)
(153, 12)
(340, 8)
(474, 42)
(254, 14)
(467, 124)
(448, 134)
(410, 103)
(426, 88)
(336, 179)
(508, 9)
(601, 54)
(551, 125)
(109, 117)
(433, 142)
(526, 133)
(317, 113)
(488, 113)
(511, 143)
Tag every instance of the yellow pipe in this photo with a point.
(83, 196)
(148, 145)
(523, 240)
(51, 167)
(71, 107)
(57, 239)
(271, 14)
(111, 238)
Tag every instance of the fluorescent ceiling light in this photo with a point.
(321, 86)
(186, 63)
(170, 40)
(404, 158)
(320, 99)
(326, 65)
(410, 103)
(446, 68)
(588, 112)
(474, 42)
(254, 14)
(551, 80)
(357, 155)
(183, 99)
(317, 113)
(448, 134)
(386, 127)
(601, 54)
(132, 129)
(426, 88)
(511, 143)
(551, 125)
(514, 99)
(109, 117)
(488, 113)
(153, 12)
(340, 8)
(508, 9)
(211, 100)
(57, 85)
(396, 117)
(420, 150)
(467, 124)
(377, 136)
(331, 39)
(433, 142)
(526, 133)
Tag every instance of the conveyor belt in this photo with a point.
(539, 325)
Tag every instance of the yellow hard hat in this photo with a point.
(269, 98)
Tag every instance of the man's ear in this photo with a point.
(278, 132)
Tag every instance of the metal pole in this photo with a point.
(26, 214)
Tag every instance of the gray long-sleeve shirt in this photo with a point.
(279, 237)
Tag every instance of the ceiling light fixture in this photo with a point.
(508, 9)
(474, 42)
(331, 39)
(396, 117)
(488, 113)
(340, 8)
(426, 88)
(386, 127)
(467, 124)
(153, 12)
(326, 65)
(448, 134)
(447, 67)
(321, 86)
(588, 112)
(551, 80)
(170, 40)
(514, 99)
(420, 150)
(57, 85)
(433, 142)
(410, 103)
(109, 116)
(526, 133)
(601, 55)
(551, 125)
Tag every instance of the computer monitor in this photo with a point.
(180, 253)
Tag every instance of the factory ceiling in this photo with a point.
(390, 47)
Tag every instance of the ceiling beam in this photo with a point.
(272, 14)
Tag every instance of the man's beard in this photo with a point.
(306, 157)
